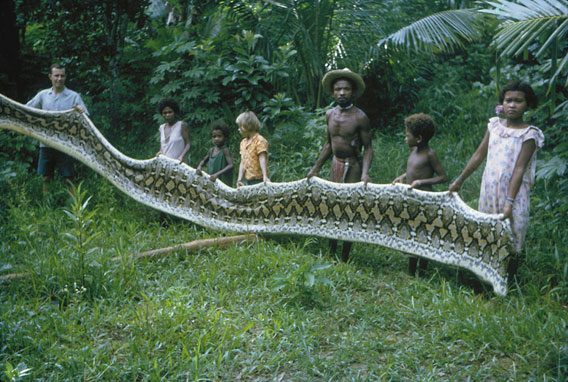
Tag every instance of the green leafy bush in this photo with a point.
(303, 285)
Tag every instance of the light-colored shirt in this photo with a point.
(172, 143)
(250, 150)
(47, 100)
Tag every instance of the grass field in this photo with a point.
(276, 309)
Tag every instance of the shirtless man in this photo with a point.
(348, 132)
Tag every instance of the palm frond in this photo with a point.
(440, 32)
(563, 66)
(526, 9)
(560, 32)
(529, 21)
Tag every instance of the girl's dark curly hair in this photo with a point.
(517, 85)
(165, 102)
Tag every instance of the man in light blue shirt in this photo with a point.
(56, 98)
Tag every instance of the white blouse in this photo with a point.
(171, 140)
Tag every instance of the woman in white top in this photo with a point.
(174, 134)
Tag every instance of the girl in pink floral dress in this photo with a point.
(510, 145)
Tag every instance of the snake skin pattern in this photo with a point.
(434, 225)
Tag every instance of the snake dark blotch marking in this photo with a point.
(434, 225)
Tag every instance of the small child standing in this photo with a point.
(218, 159)
(254, 151)
(421, 166)
(510, 145)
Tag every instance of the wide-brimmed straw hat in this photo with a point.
(356, 81)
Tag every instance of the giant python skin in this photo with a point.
(435, 225)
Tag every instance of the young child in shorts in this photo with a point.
(423, 168)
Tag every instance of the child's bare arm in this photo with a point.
(202, 163)
(441, 177)
(400, 179)
(474, 162)
(527, 151)
(263, 160)
(241, 173)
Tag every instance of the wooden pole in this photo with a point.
(192, 246)
(14, 276)
(221, 242)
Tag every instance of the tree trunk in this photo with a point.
(10, 57)
(116, 26)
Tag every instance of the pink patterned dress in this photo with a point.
(504, 148)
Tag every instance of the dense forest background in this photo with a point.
(446, 58)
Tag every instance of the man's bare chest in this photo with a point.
(346, 127)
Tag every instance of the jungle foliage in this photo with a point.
(277, 309)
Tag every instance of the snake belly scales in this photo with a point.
(434, 225)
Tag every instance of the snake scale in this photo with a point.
(434, 225)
